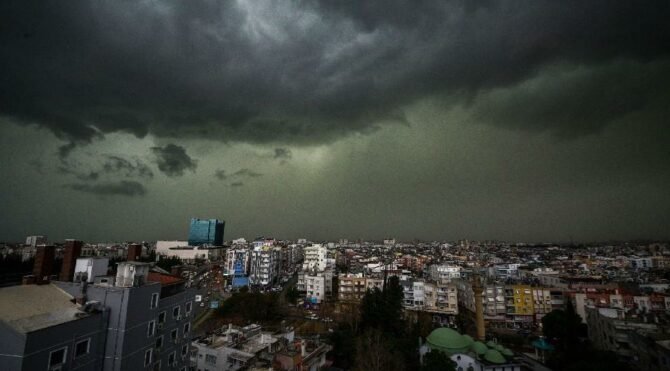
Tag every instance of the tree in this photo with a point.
(344, 349)
(437, 361)
(563, 327)
(292, 295)
(373, 353)
(383, 309)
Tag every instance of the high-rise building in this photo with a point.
(206, 232)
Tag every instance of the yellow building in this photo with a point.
(523, 300)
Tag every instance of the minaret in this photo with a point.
(479, 307)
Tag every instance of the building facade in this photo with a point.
(206, 232)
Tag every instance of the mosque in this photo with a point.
(468, 353)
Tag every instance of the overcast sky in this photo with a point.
(513, 120)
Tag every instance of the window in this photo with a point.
(173, 335)
(151, 328)
(147, 357)
(159, 342)
(184, 350)
(161, 317)
(189, 306)
(154, 300)
(175, 311)
(171, 358)
(187, 328)
(81, 348)
(57, 357)
(210, 359)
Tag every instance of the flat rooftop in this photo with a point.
(32, 307)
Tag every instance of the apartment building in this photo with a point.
(237, 257)
(444, 273)
(429, 296)
(264, 266)
(150, 314)
(135, 320)
(42, 328)
(233, 348)
(315, 258)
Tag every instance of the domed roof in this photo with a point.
(469, 338)
(494, 356)
(490, 344)
(447, 340)
(499, 347)
(506, 352)
(479, 348)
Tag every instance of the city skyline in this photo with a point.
(534, 121)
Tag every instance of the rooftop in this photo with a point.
(32, 307)
(164, 279)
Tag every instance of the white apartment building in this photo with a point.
(235, 348)
(315, 258)
(183, 251)
(542, 303)
(444, 273)
(235, 256)
(315, 288)
(504, 271)
(430, 297)
(264, 266)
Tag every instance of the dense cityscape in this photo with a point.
(205, 303)
(350, 185)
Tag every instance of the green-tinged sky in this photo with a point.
(531, 120)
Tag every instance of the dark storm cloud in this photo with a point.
(173, 160)
(300, 72)
(283, 154)
(122, 188)
(116, 164)
(242, 173)
(221, 174)
(112, 166)
(575, 101)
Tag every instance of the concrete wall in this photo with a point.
(12, 345)
(40, 343)
(129, 315)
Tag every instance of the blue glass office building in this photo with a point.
(206, 231)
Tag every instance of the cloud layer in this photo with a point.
(121, 188)
(302, 72)
(173, 161)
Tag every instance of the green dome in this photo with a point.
(448, 340)
(490, 344)
(479, 348)
(494, 356)
(507, 353)
(469, 339)
(499, 348)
